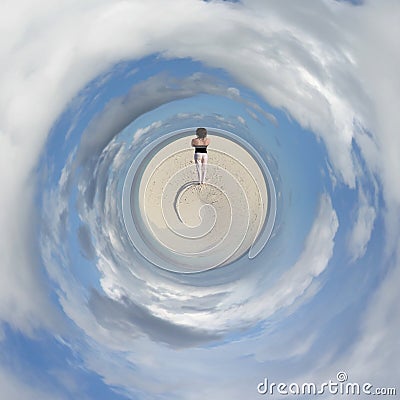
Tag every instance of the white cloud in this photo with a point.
(241, 120)
(20, 267)
(142, 131)
(362, 229)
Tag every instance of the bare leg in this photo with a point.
(198, 168)
(203, 168)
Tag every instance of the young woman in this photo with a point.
(200, 144)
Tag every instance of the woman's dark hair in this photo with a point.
(201, 133)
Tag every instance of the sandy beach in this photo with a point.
(202, 226)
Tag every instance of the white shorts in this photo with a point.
(200, 157)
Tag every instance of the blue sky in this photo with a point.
(311, 87)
